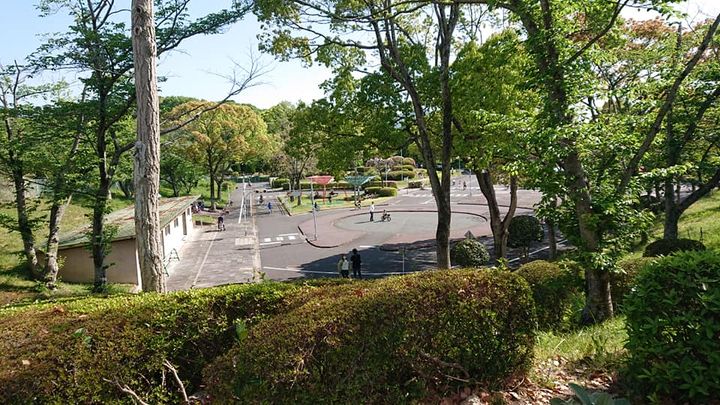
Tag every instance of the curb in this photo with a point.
(312, 243)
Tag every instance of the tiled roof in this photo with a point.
(124, 220)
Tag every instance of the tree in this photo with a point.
(229, 133)
(98, 46)
(592, 212)
(178, 172)
(413, 43)
(14, 145)
(146, 182)
(493, 116)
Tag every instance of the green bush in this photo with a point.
(387, 192)
(401, 174)
(555, 291)
(372, 190)
(64, 353)
(409, 162)
(664, 247)
(469, 253)
(339, 185)
(388, 341)
(367, 171)
(673, 323)
(381, 184)
(410, 168)
(279, 182)
(621, 283)
(524, 230)
(416, 183)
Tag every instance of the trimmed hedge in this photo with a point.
(380, 184)
(409, 162)
(469, 253)
(280, 182)
(555, 291)
(673, 323)
(524, 230)
(404, 167)
(401, 174)
(373, 190)
(387, 341)
(664, 247)
(64, 353)
(387, 192)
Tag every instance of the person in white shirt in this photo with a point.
(343, 267)
(372, 210)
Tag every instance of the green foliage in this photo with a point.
(280, 182)
(625, 279)
(389, 341)
(555, 291)
(372, 190)
(400, 175)
(64, 353)
(469, 253)
(673, 323)
(387, 192)
(584, 397)
(524, 230)
(392, 184)
(664, 247)
(416, 183)
(410, 168)
(409, 162)
(368, 171)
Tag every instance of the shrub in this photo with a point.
(387, 341)
(523, 231)
(621, 283)
(664, 247)
(396, 160)
(368, 171)
(555, 291)
(387, 192)
(410, 168)
(339, 185)
(416, 183)
(279, 182)
(64, 353)
(469, 253)
(673, 323)
(381, 184)
(409, 162)
(372, 190)
(401, 174)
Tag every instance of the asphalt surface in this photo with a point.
(404, 245)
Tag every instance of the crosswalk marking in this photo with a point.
(279, 239)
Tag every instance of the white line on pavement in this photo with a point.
(267, 239)
(202, 264)
(288, 234)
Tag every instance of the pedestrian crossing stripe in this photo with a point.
(279, 239)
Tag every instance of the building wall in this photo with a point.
(77, 264)
(176, 232)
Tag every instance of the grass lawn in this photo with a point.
(203, 190)
(338, 202)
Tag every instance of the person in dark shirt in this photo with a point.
(356, 262)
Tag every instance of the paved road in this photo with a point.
(285, 254)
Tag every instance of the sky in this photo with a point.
(198, 67)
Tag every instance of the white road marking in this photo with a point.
(279, 238)
(366, 246)
(291, 237)
(288, 234)
(270, 243)
(428, 201)
(202, 264)
(267, 239)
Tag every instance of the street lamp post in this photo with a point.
(312, 204)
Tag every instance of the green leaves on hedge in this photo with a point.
(673, 322)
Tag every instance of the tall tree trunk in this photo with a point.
(100, 243)
(147, 148)
(212, 192)
(24, 225)
(499, 226)
(57, 211)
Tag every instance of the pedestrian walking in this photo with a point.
(269, 207)
(464, 185)
(343, 267)
(356, 263)
(372, 211)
